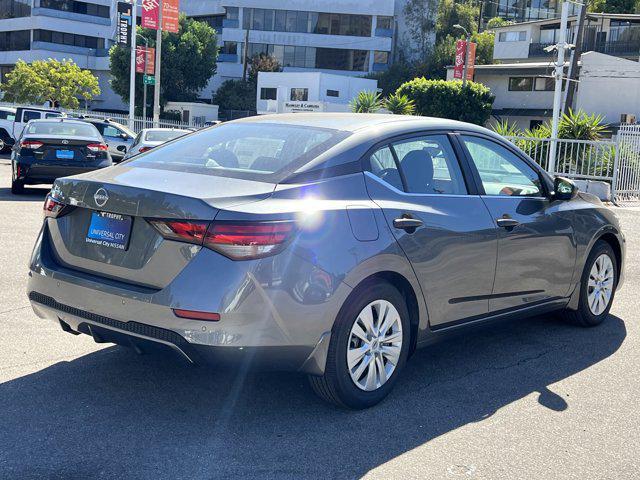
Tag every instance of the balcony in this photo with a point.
(617, 48)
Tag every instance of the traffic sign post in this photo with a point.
(149, 79)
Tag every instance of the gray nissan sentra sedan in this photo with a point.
(331, 244)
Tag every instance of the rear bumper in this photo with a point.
(37, 174)
(262, 324)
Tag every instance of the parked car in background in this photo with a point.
(118, 137)
(330, 244)
(25, 114)
(152, 137)
(53, 148)
(7, 116)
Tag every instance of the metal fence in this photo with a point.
(616, 161)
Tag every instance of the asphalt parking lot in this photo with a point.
(532, 399)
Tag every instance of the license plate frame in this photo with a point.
(65, 154)
(111, 230)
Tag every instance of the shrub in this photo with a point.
(507, 129)
(449, 99)
(399, 104)
(366, 102)
(580, 126)
(236, 95)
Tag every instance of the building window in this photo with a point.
(297, 21)
(231, 13)
(544, 84)
(62, 38)
(14, 41)
(230, 48)
(312, 57)
(520, 84)
(520, 36)
(214, 21)
(299, 94)
(385, 22)
(380, 56)
(15, 8)
(74, 6)
(333, 93)
(533, 124)
(549, 34)
(268, 94)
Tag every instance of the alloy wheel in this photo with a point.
(600, 286)
(375, 344)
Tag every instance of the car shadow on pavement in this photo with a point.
(31, 194)
(114, 414)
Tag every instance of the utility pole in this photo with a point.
(132, 76)
(575, 56)
(156, 88)
(144, 91)
(245, 54)
(480, 16)
(557, 94)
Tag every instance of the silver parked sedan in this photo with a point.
(331, 244)
(150, 138)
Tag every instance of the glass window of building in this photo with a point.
(312, 57)
(514, 36)
(549, 33)
(230, 48)
(74, 6)
(214, 21)
(520, 84)
(385, 22)
(15, 40)
(333, 93)
(298, 21)
(380, 56)
(231, 13)
(71, 39)
(268, 93)
(299, 94)
(15, 8)
(544, 84)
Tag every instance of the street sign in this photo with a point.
(149, 80)
(125, 19)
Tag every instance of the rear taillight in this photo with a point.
(144, 149)
(236, 240)
(97, 147)
(196, 315)
(54, 208)
(32, 144)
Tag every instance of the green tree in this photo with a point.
(188, 62)
(450, 99)
(615, 6)
(60, 82)
(452, 13)
(263, 63)
(418, 15)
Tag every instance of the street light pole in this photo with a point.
(557, 94)
(144, 86)
(156, 88)
(132, 76)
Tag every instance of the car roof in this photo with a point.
(379, 123)
(8, 109)
(57, 120)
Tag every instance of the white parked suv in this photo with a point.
(7, 116)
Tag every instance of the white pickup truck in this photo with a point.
(13, 120)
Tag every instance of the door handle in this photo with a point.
(408, 224)
(507, 222)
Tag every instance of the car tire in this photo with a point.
(347, 385)
(597, 287)
(17, 187)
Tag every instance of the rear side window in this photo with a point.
(501, 171)
(427, 164)
(260, 151)
(28, 115)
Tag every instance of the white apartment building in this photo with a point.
(521, 75)
(345, 37)
(82, 31)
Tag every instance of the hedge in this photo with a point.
(449, 99)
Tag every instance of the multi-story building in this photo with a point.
(521, 76)
(524, 10)
(346, 37)
(82, 31)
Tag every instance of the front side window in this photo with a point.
(429, 165)
(502, 172)
(299, 94)
(28, 115)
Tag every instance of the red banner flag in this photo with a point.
(140, 59)
(150, 14)
(151, 61)
(170, 15)
(458, 67)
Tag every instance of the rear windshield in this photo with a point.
(163, 135)
(63, 128)
(257, 151)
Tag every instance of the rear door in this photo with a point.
(113, 137)
(536, 239)
(430, 203)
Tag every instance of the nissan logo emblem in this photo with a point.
(101, 197)
(65, 142)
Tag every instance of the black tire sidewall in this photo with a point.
(349, 393)
(588, 317)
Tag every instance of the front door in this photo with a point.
(444, 228)
(536, 244)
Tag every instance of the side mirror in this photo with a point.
(124, 136)
(564, 189)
